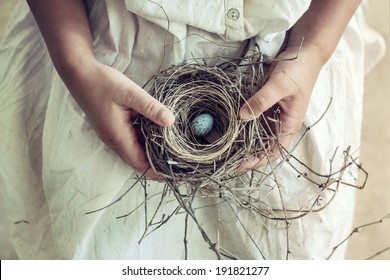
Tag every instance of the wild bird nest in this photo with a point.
(210, 163)
(191, 90)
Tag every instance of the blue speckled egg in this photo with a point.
(202, 124)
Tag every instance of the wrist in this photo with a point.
(73, 67)
(310, 53)
(79, 75)
(303, 45)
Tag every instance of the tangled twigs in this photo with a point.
(208, 166)
(190, 90)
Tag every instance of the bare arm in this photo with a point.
(109, 99)
(291, 82)
(323, 24)
(65, 29)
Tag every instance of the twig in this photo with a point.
(356, 230)
(378, 253)
(120, 198)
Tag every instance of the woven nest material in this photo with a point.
(193, 89)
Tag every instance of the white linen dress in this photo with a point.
(54, 169)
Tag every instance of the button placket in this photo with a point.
(235, 30)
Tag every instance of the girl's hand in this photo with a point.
(290, 85)
(112, 101)
(291, 82)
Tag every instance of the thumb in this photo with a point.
(139, 100)
(260, 102)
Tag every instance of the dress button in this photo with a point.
(233, 14)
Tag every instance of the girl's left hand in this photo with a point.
(290, 85)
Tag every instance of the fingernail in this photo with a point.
(245, 113)
(167, 118)
(249, 164)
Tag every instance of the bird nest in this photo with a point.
(189, 90)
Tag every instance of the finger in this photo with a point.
(132, 152)
(292, 115)
(284, 130)
(262, 159)
(277, 147)
(253, 162)
(123, 140)
(271, 93)
(139, 100)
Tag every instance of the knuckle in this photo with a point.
(261, 103)
(129, 98)
(154, 110)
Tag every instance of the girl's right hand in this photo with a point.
(111, 101)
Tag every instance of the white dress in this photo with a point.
(54, 169)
